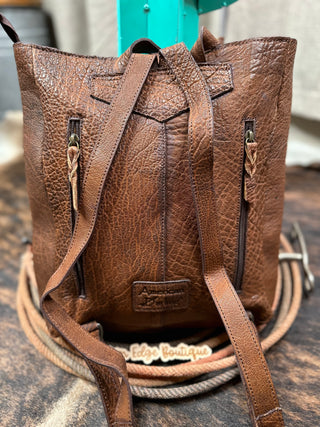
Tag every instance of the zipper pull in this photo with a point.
(250, 165)
(73, 154)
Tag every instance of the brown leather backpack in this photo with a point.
(156, 186)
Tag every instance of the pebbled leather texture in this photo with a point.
(141, 221)
(162, 98)
(266, 98)
(146, 228)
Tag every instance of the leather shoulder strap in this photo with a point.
(107, 365)
(262, 398)
(206, 41)
(8, 28)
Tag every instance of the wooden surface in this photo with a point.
(34, 392)
(20, 3)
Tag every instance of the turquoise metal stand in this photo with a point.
(166, 22)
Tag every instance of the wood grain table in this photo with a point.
(34, 392)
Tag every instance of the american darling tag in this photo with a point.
(165, 352)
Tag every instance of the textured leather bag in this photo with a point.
(156, 186)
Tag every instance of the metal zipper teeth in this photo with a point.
(243, 221)
(74, 126)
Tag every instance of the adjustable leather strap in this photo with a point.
(106, 364)
(262, 399)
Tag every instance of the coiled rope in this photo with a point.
(160, 382)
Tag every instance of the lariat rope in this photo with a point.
(160, 382)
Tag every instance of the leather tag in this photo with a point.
(160, 296)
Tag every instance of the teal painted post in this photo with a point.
(166, 22)
(205, 6)
(132, 22)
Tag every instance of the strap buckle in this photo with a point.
(296, 235)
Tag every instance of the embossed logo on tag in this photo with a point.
(160, 296)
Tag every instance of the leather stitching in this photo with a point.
(102, 390)
(253, 337)
(82, 245)
(164, 201)
(258, 40)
